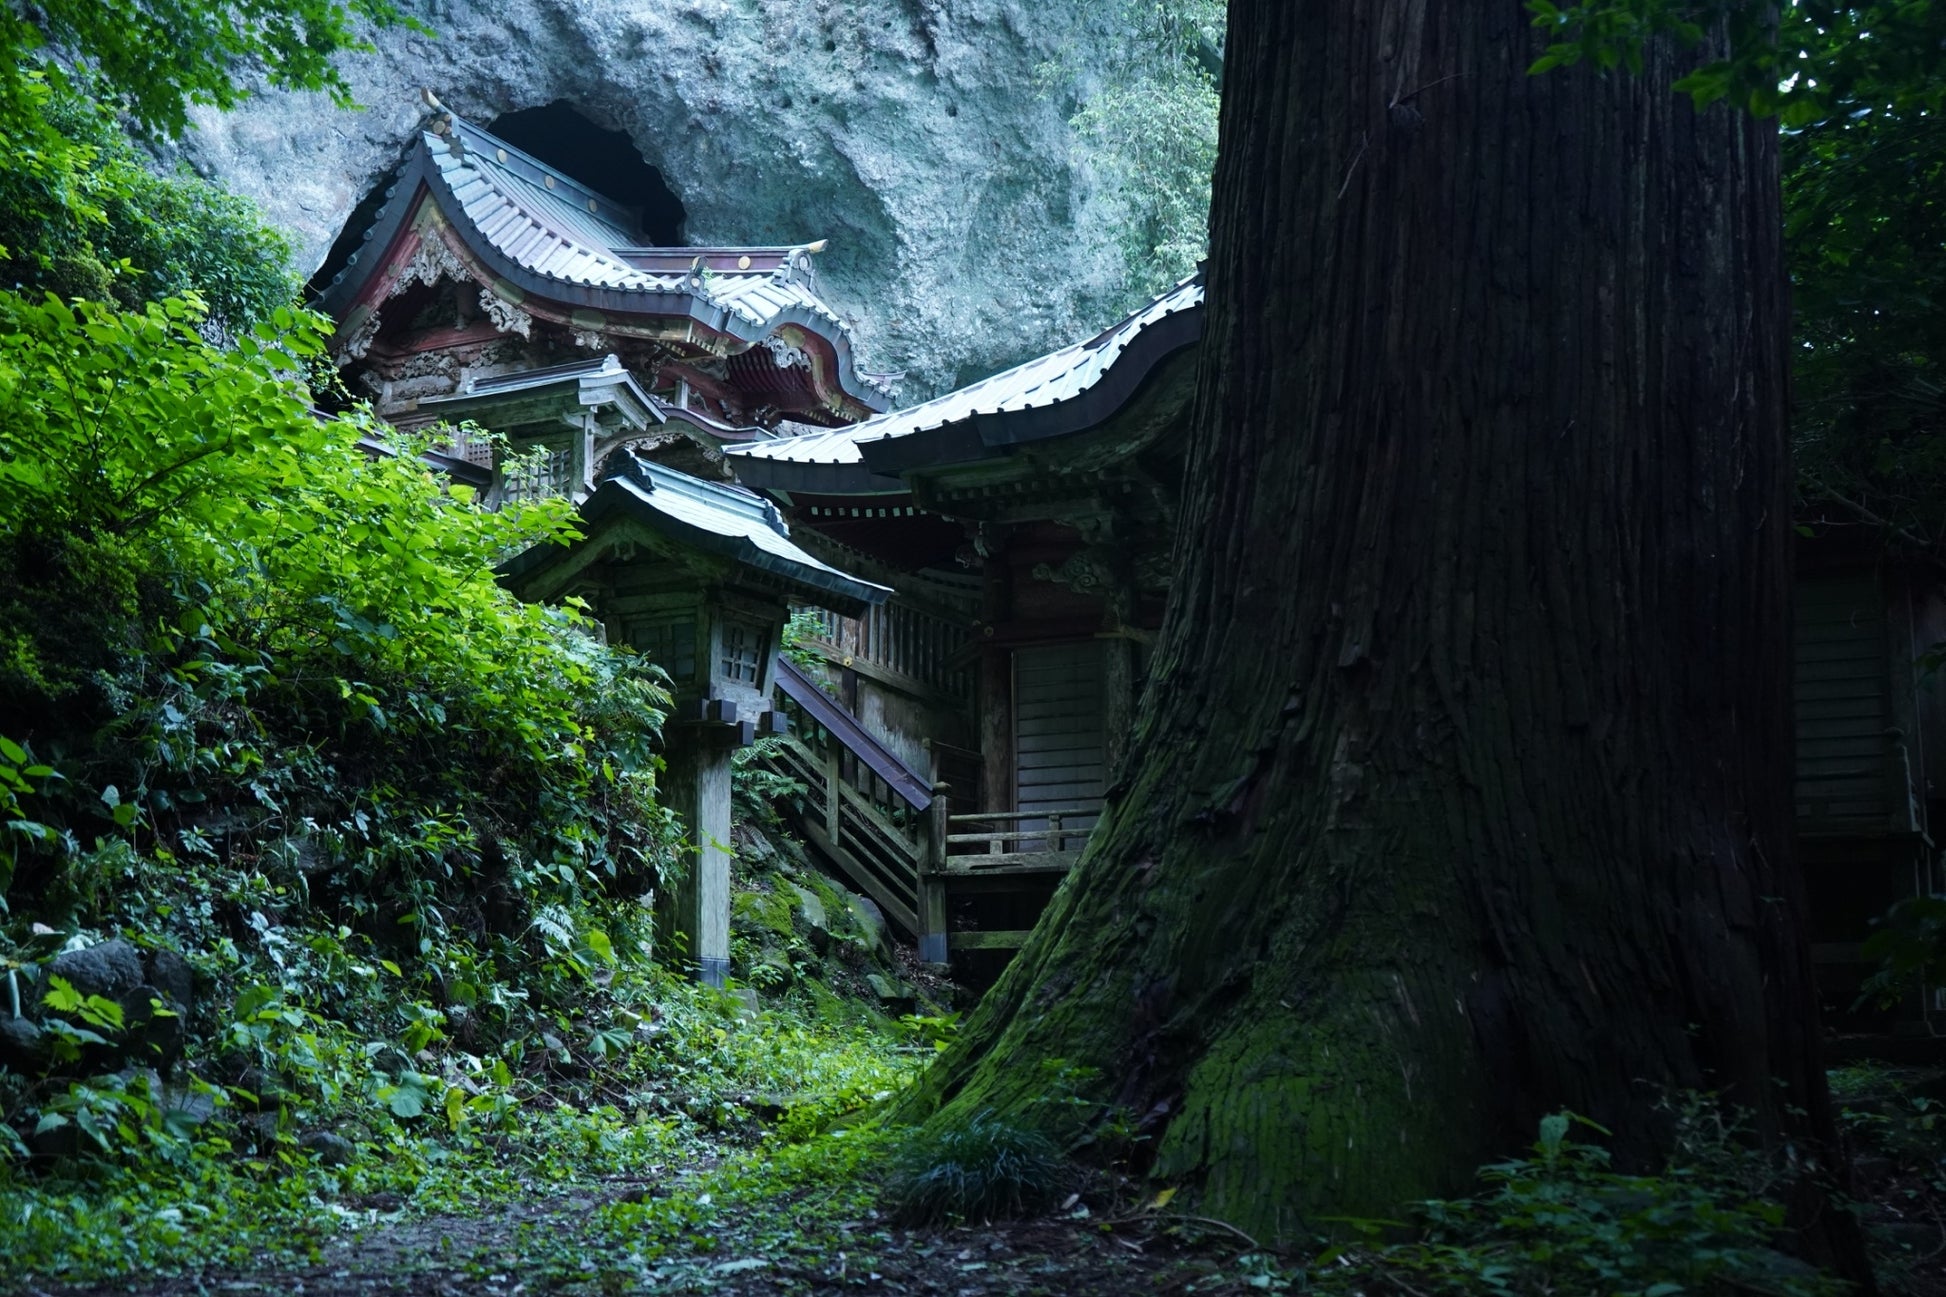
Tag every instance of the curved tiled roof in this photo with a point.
(716, 518)
(544, 227)
(1051, 380)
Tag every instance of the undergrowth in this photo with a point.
(983, 1169)
(649, 1076)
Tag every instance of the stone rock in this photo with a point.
(755, 848)
(331, 1148)
(186, 1104)
(170, 973)
(810, 909)
(813, 920)
(110, 969)
(255, 1090)
(781, 972)
(870, 922)
(22, 1049)
(968, 228)
(890, 989)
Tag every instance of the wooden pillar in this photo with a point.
(581, 456)
(932, 882)
(696, 911)
(996, 687)
(833, 793)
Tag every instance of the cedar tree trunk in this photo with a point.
(1461, 788)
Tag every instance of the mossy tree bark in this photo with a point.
(1460, 791)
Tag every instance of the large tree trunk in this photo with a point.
(1461, 788)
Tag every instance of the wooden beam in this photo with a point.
(987, 940)
(1017, 862)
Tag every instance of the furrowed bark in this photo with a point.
(1460, 791)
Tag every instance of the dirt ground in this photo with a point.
(488, 1256)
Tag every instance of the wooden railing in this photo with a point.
(906, 641)
(1030, 841)
(862, 807)
(887, 827)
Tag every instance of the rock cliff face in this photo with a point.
(965, 230)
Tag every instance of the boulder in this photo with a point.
(23, 1050)
(811, 917)
(329, 1147)
(116, 970)
(110, 969)
(869, 921)
(891, 991)
(170, 973)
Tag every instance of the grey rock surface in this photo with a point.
(967, 231)
(331, 1148)
(110, 969)
(22, 1050)
(170, 974)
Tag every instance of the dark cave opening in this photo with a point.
(605, 161)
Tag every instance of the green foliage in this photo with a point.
(1817, 59)
(445, 1094)
(97, 221)
(981, 1169)
(755, 788)
(79, 212)
(1561, 1220)
(1865, 213)
(1900, 1114)
(1909, 947)
(19, 776)
(123, 422)
(1148, 125)
(154, 58)
(805, 625)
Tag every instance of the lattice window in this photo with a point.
(540, 477)
(742, 652)
(670, 643)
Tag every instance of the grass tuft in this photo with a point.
(985, 1169)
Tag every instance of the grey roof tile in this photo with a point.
(1046, 380)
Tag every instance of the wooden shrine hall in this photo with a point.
(1023, 525)
(988, 568)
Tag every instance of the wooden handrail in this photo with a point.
(914, 789)
(1062, 811)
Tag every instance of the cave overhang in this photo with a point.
(544, 247)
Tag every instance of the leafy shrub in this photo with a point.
(1910, 948)
(97, 220)
(1561, 1221)
(983, 1169)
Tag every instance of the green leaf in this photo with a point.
(598, 942)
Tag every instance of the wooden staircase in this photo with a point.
(887, 828)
